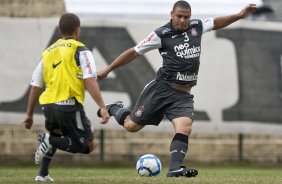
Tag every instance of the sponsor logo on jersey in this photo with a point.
(186, 77)
(55, 65)
(185, 52)
(58, 45)
(139, 112)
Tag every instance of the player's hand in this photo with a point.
(28, 121)
(247, 10)
(104, 115)
(103, 73)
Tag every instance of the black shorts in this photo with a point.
(70, 119)
(158, 99)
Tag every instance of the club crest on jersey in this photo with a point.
(193, 32)
(139, 112)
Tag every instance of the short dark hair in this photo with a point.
(181, 4)
(68, 23)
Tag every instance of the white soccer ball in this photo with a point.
(148, 165)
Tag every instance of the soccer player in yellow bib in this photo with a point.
(66, 68)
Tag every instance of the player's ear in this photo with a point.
(77, 32)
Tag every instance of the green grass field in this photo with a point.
(207, 174)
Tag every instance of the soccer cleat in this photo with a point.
(182, 172)
(42, 178)
(108, 106)
(43, 148)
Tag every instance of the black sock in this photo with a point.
(114, 109)
(46, 160)
(69, 145)
(119, 113)
(178, 150)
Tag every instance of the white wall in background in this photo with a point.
(152, 8)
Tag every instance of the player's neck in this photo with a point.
(66, 37)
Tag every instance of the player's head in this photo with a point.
(180, 15)
(69, 25)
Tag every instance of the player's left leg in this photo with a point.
(77, 131)
(179, 148)
(73, 124)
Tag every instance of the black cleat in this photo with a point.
(182, 172)
(108, 106)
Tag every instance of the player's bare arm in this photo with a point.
(33, 97)
(224, 21)
(93, 88)
(121, 60)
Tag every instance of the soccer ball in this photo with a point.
(148, 165)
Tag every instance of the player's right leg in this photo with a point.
(131, 126)
(43, 174)
(43, 148)
(147, 111)
(122, 116)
